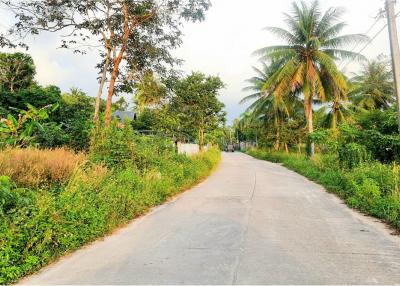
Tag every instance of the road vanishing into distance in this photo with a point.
(251, 222)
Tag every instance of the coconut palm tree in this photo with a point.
(313, 43)
(266, 107)
(373, 87)
(267, 110)
(149, 92)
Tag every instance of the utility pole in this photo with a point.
(395, 51)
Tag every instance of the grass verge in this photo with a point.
(38, 225)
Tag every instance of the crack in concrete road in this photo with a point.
(251, 222)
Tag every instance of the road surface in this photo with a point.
(251, 222)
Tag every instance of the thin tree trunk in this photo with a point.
(334, 120)
(310, 127)
(201, 139)
(286, 148)
(277, 141)
(101, 86)
(116, 63)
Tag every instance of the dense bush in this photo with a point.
(352, 155)
(371, 187)
(385, 148)
(37, 225)
(113, 146)
(382, 147)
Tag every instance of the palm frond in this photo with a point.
(283, 34)
(345, 40)
(344, 54)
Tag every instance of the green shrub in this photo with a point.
(112, 146)
(352, 155)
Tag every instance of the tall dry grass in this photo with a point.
(35, 168)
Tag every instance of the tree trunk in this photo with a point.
(286, 148)
(334, 120)
(117, 62)
(277, 141)
(335, 111)
(310, 128)
(201, 139)
(101, 86)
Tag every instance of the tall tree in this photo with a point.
(129, 31)
(17, 71)
(373, 87)
(195, 103)
(269, 108)
(313, 43)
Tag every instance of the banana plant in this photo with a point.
(21, 131)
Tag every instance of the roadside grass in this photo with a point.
(33, 168)
(39, 224)
(371, 187)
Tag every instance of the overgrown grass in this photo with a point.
(33, 168)
(38, 225)
(370, 187)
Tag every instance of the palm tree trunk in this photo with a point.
(334, 120)
(277, 141)
(310, 127)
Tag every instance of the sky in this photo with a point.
(221, 45)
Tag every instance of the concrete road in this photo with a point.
(251, 222)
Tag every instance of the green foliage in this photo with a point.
(34, 95)
(69, 126)
(75, 117)
(352, 155)
(373, 88)
(7, 197)
(372, 188)
(383, 121)
(120, 104)
(326, 140)
(385, 148)
(40, 225)
(196, 105)
(149, 92)
(17, 71)
(23, 131)
(112, 146)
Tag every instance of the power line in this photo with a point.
(377, 18)
(370, 41)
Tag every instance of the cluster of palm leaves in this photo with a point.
(302, 74)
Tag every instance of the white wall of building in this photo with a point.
(189, 149)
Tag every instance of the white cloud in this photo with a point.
(50, 71)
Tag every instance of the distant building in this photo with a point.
(123, 115)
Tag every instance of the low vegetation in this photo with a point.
(371, 187)
(40, 221)
(72, 170)
(34, 168)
